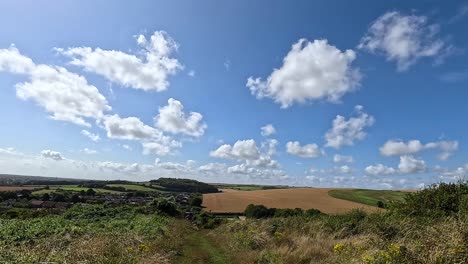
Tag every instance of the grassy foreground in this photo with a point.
(369, 197)
(93, 234)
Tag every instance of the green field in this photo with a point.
(73, 188)
(133, 187)
(369, 197)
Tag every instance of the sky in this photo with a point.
(302, 93)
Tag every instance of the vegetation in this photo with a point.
(379, 198)
(185, 185)
(429, 226)
(131, 187)
(260, 211)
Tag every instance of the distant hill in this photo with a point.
(13, 179)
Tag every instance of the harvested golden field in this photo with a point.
(16, 188)
(233, 201)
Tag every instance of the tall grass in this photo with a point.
(430, 226)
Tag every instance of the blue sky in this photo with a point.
(370, 95)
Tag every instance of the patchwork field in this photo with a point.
(234, 201)
(15, 188)
(369, 197)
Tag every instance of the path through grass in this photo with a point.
(199, 249)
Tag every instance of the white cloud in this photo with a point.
(93, 137)
(213, 168)
(345, 169)
(404, 39)
(241, 150)
(132, 128)
(379, 169)
(89, 151)
(337, 158)
(148, 72)
(306, 151)
(171, 118)
(160, 148)
(268, 130)
(191, 73)
(256, 173)
(247, 150)
(10, 151)
(399, 148)
(12, 61)
(65, 95)
(460, 173)
(311, 71)
(345, 132)
(446, 148)
(50, 154)
(409, 164)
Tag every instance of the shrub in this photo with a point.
(437, 200)
(165, 207)
(196, 201)
(312, 212)
(259, 211)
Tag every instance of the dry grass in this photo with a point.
(233, 201)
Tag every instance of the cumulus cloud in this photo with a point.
(399, 148)
(337, 158)
(311, 71)
(160, 148)
(460, 173)
(50, 154)
(305, 151)
(148, 72)
(345, 132)
(132, 128)
(379, 169)
(404, 39)
(446, 148)
(65, 95)
(241, 150)
(215, 168)
(93, 137)
(247, 151)
(256, 173)
(171, 118)
(268, 130)
(410, 164)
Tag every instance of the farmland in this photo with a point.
(369, 197)
(71, 188)
(16, 188)
(74, 224)
(133, 187)
(233, 201)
